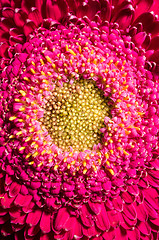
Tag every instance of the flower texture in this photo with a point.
(79, 103)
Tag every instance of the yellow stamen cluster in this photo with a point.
(74, 115)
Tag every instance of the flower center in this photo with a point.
(74, 115)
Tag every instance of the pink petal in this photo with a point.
(14, 189)
(47, 236)
(127, 197)
(151, 196)
(147, 19)
(151, 211)
(154, 43)
(4, 219)
(133, 189)
(33, 217)
(61, 219)
(45, 225)
(121, 234)
(144, 228)
(95, 207)
(76, 230)
(56, 10)
(22, 200)
(85, 216)
(93, 8)
(20, 220)
(102, 220)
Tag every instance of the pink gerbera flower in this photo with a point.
(79, 123)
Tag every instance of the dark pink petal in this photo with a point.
(147, 20)
(85, 216)
(16, 39)
(61, 219)
(125, 16)
(35, 16)
(127, 197)
(105, 10)
(144, 228)
(8, 179)
(20, 220)
(142, 6)
(93, 8)
(4, 218)
(26, 5)
(22, 200)
(15, 212)
(155, 221)
(153, 181)
(14, 189)
(95, 207)
(154, 28)
(46, 236)
(56, 9)
(6, 201)
(3, 49)
(129, 222)
(154, 43)
(121, 234)
(20, 17)
(33, 217)
(32, 231)
(133, 189)
(29, 27)
(134, 234)
(7, 12)
(102, 221)
(45, 225)
(129, 211)
(141, 212)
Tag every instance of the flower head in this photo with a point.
(79, 120)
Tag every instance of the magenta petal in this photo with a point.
(56, 9)
(151, 212)
(33, 217)
(45, 225)
(127, 197)
(29, 27)
(154, 43)
(102, 220)
(22, 200)
(90, 232)
(61, 219)
(129, 211)
(151, 196)
(85, 216)
(35, 16)
(141, 212)
(76, 230)
(20, 220)
(134, 234)
(4, 219)
(95, 207)
(93, 8)
(114, 218)
(118, 203)
(32, 231)
(109, 235)
(144, 228)
(19, 17)
(139, 38)
(133, 189)
(14, 189)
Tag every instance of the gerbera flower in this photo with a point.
(79, 120)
